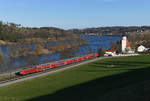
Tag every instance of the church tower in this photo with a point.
(124, 44)
(126, 48)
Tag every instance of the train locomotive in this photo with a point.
(43, 67)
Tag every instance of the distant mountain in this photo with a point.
(118, 30)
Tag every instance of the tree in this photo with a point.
(116, 46)
(101, 52)
(69, 53)
(39, 49)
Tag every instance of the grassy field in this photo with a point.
(114, 79)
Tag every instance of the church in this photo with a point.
(126, 47)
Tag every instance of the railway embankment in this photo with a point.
(11, 78)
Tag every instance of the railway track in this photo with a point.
(17, 77)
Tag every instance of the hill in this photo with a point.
(12, 32)
(115, 30)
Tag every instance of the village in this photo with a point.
(126, 49)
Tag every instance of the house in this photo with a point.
(142, 48)
(110, 52)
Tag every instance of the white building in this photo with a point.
(126, 48)
(142, 48)
(110, 52)
(124, 44)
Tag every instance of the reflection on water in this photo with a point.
(94, 43)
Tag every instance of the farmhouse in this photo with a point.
(142, 48)
(110, 52)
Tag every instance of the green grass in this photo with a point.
(114, 79)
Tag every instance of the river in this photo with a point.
(94, 43)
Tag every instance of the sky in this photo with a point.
(69, 14)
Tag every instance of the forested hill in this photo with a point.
(12, 32)
(119, 30)
(137, 35)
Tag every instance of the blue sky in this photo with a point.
(76, 13)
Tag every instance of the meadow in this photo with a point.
(112, 79)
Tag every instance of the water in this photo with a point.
(94, 43)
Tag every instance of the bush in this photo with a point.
(101, 52)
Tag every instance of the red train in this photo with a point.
(43, 67)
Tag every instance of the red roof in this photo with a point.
(128, 44)
(111, 50)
